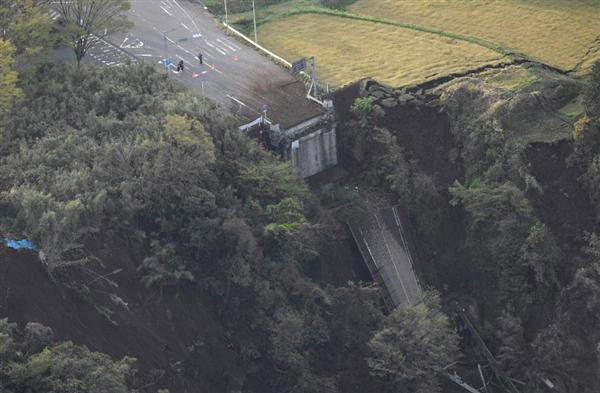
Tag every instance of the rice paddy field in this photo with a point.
(400, 42)
(347, 49)
(558, 32)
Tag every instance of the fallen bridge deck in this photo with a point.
(382, 242)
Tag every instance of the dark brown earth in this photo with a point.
(564, 205)
(170, 336)
(284, 99)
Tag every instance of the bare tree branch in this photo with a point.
(89, 20)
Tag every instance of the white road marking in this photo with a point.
(185, 50)
(187, 28)
(241, 103)
(164, 9)
(188, 15)
(145, 55)
(212, 67)
(233, 44)
(198, 35)
(229, 46)
(220, 51)
(204, 72)
(209, 44)
(170, 40)
(134, 44)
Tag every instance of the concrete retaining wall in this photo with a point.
(314, 152)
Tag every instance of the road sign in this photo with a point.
(299, 65)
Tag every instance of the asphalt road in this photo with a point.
(233, 74)
(380, 237)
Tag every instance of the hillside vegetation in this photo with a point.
(504, 200)
(170, 240)
(167, 235)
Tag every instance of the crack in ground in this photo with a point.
(594, 48)
(447, 78)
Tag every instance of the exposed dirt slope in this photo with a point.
(423, 119)
(167, 336)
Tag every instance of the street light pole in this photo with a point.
(254, 14)
(313, 76)
(226, 21)
(166, 59)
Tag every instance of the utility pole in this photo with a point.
(166, 60)
(254, 14)
(313, 76)
(226, 21)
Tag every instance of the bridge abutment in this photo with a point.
(311, 145)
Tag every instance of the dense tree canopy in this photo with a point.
(127, 158)
(415, 344)
(26, 24)
(25, 29)
(31, 361)
(8, 76)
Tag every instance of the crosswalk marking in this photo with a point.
(164, 9)
(228, 46)
(233, 44)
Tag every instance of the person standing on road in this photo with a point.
(180, 65)
(200, 57)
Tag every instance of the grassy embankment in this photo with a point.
(401, 42)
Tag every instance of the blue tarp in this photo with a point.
(20, 244)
